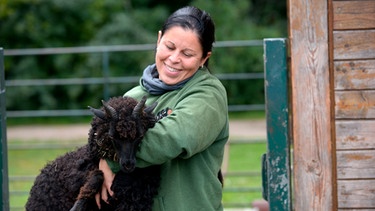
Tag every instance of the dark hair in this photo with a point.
(199, 21)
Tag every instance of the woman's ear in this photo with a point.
(159, 38)
(205, 59)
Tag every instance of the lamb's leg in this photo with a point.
(88, 191)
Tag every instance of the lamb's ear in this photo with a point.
(151, 108)
(97, 112)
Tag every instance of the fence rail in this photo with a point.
(115, 80)
(106, 81)
(116, 48)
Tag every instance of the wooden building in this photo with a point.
(332, 83)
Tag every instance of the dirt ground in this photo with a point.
(238, 129)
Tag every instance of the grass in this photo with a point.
(245, 166)
(244, 160)
(25, 163)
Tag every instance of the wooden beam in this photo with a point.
(356, 194)
(355, 104)
(355, 134)
(313, 125)
(353, 14)
(349, 163)
(359, 44)
(355, 74)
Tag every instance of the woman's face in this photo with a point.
(178, 55)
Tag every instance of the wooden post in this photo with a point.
(313, 123)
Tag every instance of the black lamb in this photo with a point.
(71, 181)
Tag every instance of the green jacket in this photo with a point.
(188, 143)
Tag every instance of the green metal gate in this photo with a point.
(3, 145)
(276, 162)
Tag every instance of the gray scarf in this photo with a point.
(151, 82)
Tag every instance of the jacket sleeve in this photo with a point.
(197, 119)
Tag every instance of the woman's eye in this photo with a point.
(187, 54)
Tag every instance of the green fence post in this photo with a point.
(3, 145)
(276, 162)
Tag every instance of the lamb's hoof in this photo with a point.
(79, 205)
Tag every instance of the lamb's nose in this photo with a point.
(128, 165)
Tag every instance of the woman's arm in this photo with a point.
(107, 183)
(196, 120)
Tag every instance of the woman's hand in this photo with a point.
(107, 183)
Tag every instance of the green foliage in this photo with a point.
(234, 22)
(61, 23)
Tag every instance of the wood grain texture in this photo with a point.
(354, 44)
(312, 154)
(356, 164)
(355, 134)
(355, 104)
(353, 14)
(354, 84)
(356, 74)
(354, 209)
(356, 193)
(350, 27)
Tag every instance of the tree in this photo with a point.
(61, 23)
(234, 21)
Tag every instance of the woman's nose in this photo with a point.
(174, 57)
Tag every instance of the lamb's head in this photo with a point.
(118, 128)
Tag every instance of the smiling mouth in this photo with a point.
(171, 69)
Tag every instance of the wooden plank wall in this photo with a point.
(312, 110)
(354, 91)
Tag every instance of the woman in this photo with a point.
(188, 140)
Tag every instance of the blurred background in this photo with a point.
(59, 24)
